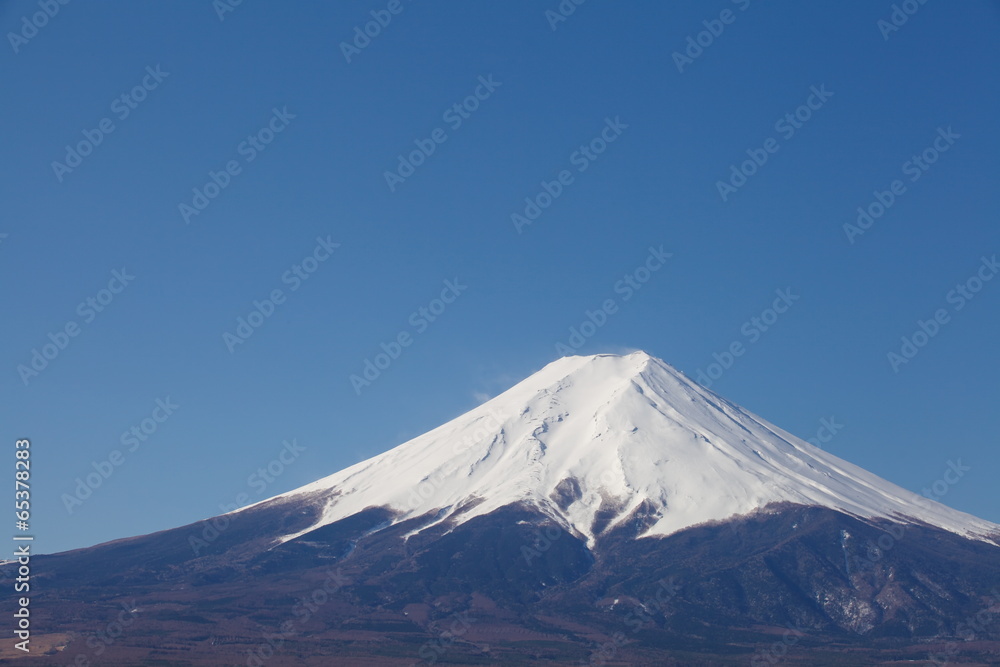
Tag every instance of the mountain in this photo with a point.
(589, 441)
(606, 511)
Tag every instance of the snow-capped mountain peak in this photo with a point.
(615, 433)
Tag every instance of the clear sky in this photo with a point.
(250, 154)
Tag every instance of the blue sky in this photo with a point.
(596, 109)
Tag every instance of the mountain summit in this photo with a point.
(594, 441)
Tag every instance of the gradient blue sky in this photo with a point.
(324, 176)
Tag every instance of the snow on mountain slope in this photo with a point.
(610, 431)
